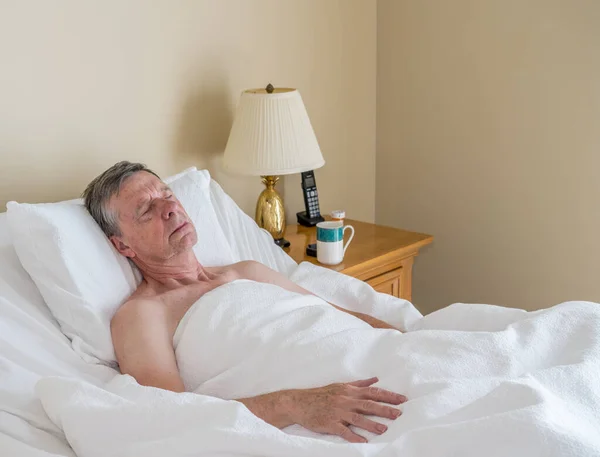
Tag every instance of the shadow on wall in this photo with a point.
(200, 139)
(205, 121)
(49, 181)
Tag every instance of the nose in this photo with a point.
(168, 209)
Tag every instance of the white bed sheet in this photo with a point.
(31, 347)
(528, 389)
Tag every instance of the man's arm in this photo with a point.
(256, 271)
(143, 345)
(330, 409)
(144, 349)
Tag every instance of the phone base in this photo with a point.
(282, 242)
(303, 219)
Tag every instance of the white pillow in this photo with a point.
(82, 277)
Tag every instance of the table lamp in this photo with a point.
(271, 136)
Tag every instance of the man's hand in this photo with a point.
(331, 409)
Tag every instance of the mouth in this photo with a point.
(179, 227)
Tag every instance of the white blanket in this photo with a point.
(481, 380)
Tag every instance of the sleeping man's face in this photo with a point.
(154, 226)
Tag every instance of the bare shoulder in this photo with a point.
(238, 270)
(250, 268)
(139, 308)
(256, 271)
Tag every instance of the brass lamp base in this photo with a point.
(270, 213)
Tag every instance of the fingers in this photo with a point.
(360, 421)
(377, 393)
(381, 395)
(344, 432)
(373, 408)
(364, 382)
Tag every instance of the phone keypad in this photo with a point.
(312, 198)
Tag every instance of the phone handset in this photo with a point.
(312, 214)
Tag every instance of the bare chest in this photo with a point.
(177, 302)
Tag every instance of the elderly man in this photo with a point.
(147, 224)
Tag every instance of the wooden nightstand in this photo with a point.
(381, 256)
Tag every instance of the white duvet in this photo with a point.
(481, 380)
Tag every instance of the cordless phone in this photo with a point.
(311, 195)
(312, 215)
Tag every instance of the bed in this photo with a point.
(481, 379)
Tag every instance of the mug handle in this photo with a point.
(349, 239)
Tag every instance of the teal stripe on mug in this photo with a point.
(330, 235)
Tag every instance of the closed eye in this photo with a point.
(145, 210)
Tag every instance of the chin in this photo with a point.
(193, 240)
(189, 240)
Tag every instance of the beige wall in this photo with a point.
(488, 137)
(487, 115)
(85, 84)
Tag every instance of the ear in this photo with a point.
(122, 247)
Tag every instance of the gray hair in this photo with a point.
(99, 192)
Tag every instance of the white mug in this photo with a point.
(330, 242)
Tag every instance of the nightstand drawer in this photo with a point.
(388, 283)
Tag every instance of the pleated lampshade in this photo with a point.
(271, 135)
